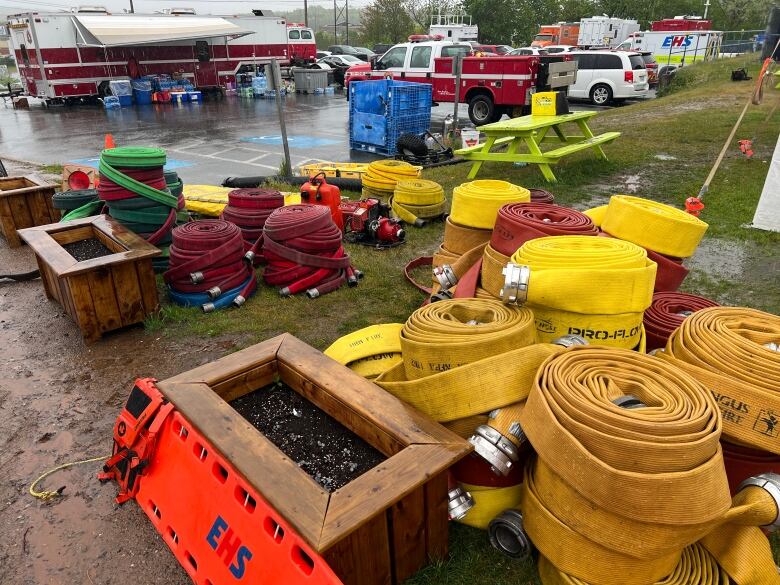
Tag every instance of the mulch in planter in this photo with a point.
(87, 249)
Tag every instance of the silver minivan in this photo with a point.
(604, 76)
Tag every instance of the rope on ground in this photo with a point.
(48, 495)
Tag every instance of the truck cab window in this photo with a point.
(294, 35)
(306, 35)
(421, 57)
(393, 58)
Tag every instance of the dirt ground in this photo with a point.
(59, 398)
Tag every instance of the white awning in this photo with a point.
(112, 30)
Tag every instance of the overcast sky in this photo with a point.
(149, 6)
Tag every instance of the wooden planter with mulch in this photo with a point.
(104, 292)
(379, 528)
(24, 202)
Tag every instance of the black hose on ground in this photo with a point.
(21, 276)
(251, 182)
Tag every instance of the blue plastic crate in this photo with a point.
(390, 97)
(377, 133)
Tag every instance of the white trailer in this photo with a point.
(603, 31)
(676, 48)
(454, 27)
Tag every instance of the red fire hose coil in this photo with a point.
(667, 312)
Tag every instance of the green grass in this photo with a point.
(51, 169)
(690, 124)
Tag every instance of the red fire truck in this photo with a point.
(491, 86)
(65, 55)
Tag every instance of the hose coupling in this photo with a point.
(569, 340)
(769, 482)
(459, 503)
(445, 275)
(685, 313)
(208, 307)
(352, 280)
(507, 534)
(419, 222)
(515, 289)
(312, 293)
(239, 300)
(629, 402)
(442, 295)
(495, 448)
(773, 346)
(359, 274)
(473, 322)
(250, 256)
(214, 292)
(197, 277)
(284, 292)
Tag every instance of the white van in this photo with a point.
(604, 76)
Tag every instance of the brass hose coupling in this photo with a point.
(770, 483)
(515, 289)
(445, 275)
(507, 534)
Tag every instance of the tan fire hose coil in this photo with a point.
(475, 204)
(369, 351)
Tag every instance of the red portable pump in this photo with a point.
(365, 222)
(317, 192)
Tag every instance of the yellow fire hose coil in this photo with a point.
(369, 351)
(594, 287)
(476, 204)
(415, 199)
(652, 225)
(616, 494)
(489, 502)
(733, 352)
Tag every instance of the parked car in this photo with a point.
(366, 51)
(381, 48)
(347, 50)
(495, 49)
(323, 54)
(340, 64)
(528, 51)
(552, 49)
(604, 76)
(652, 67)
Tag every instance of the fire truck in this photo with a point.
(64, 55)
(491, 86)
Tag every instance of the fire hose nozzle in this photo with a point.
(214, 292)
(515, 289)
(570, 340)
(196, 277)
(250, 257)
(239, 300)
(507, 534)
(446, 276)
(442, 295)
(495, 448)
(459, 503)
(208, 307)
(284, 292)
(312, 293)
(770, 483)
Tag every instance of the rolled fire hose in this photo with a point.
(369, 351)
(629, 472)
(381, 176)
(667, 312)
(541, 196)
(133, 186)
(476, 204)
(67, 201)
(733, 351)
(208, 267)
(598, 288)
(86, 210)
(303, 250)
(416, 200)
(461, 247)
(249, 209)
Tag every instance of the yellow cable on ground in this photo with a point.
(652, 225)
(630, 472)
(476, 204)
(733, 352)
(48, 495)
(369, 351)
(594, 287)
(415, 200)
(489, 502)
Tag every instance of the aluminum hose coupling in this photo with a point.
(442, 295)
(515, 289)
(496, 449)
(629, 402)
(459, 502)
(239, 300)
(196, 277)
(770, 483)
(507, 534)
(250, 257)
(445, 275)
(570, 340)
(214, 292)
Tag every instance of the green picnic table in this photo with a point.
(534, 130)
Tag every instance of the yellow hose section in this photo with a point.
(489, 502)
(382, 175)
(652, 225)
(617, 494)
(417, 198)
(369, 351)
(505, 418)
(464, 427)
(491, 278)
(596, 214)
(595, 287)
(476, 204)
(724, 348)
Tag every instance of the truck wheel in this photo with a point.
(481, 110)
(601, 95)
(411, 144)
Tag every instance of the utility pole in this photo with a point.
(706, 7)
(347, 20)
(305, 12)
(131, 7)
(335, 24)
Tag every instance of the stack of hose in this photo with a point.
(133, 186)
(207, 266)
(733, 351)
(370, 351)
(668, 234)
(70, 201)
(303, 250)
(667, 312)
(628, 486)
(541, 196)
(598, 288)
(381, 176)
(416, 200)
(249, 209)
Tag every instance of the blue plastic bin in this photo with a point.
(125, 100)
(195, 96)
(143, 97)
(390, 97)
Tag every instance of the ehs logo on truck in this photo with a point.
(229, 548)
(674, 41)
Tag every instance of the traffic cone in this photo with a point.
(109, 142)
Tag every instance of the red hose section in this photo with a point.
(662, 317)
(541, 196)
(110, 191)
(517, 223)
(475, 470)
(303, 250)
(165, 228)
(743, 462)
(249, 209)
(212, 247)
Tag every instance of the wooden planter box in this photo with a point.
(104, 293)
(378, 529)
(24, 202)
